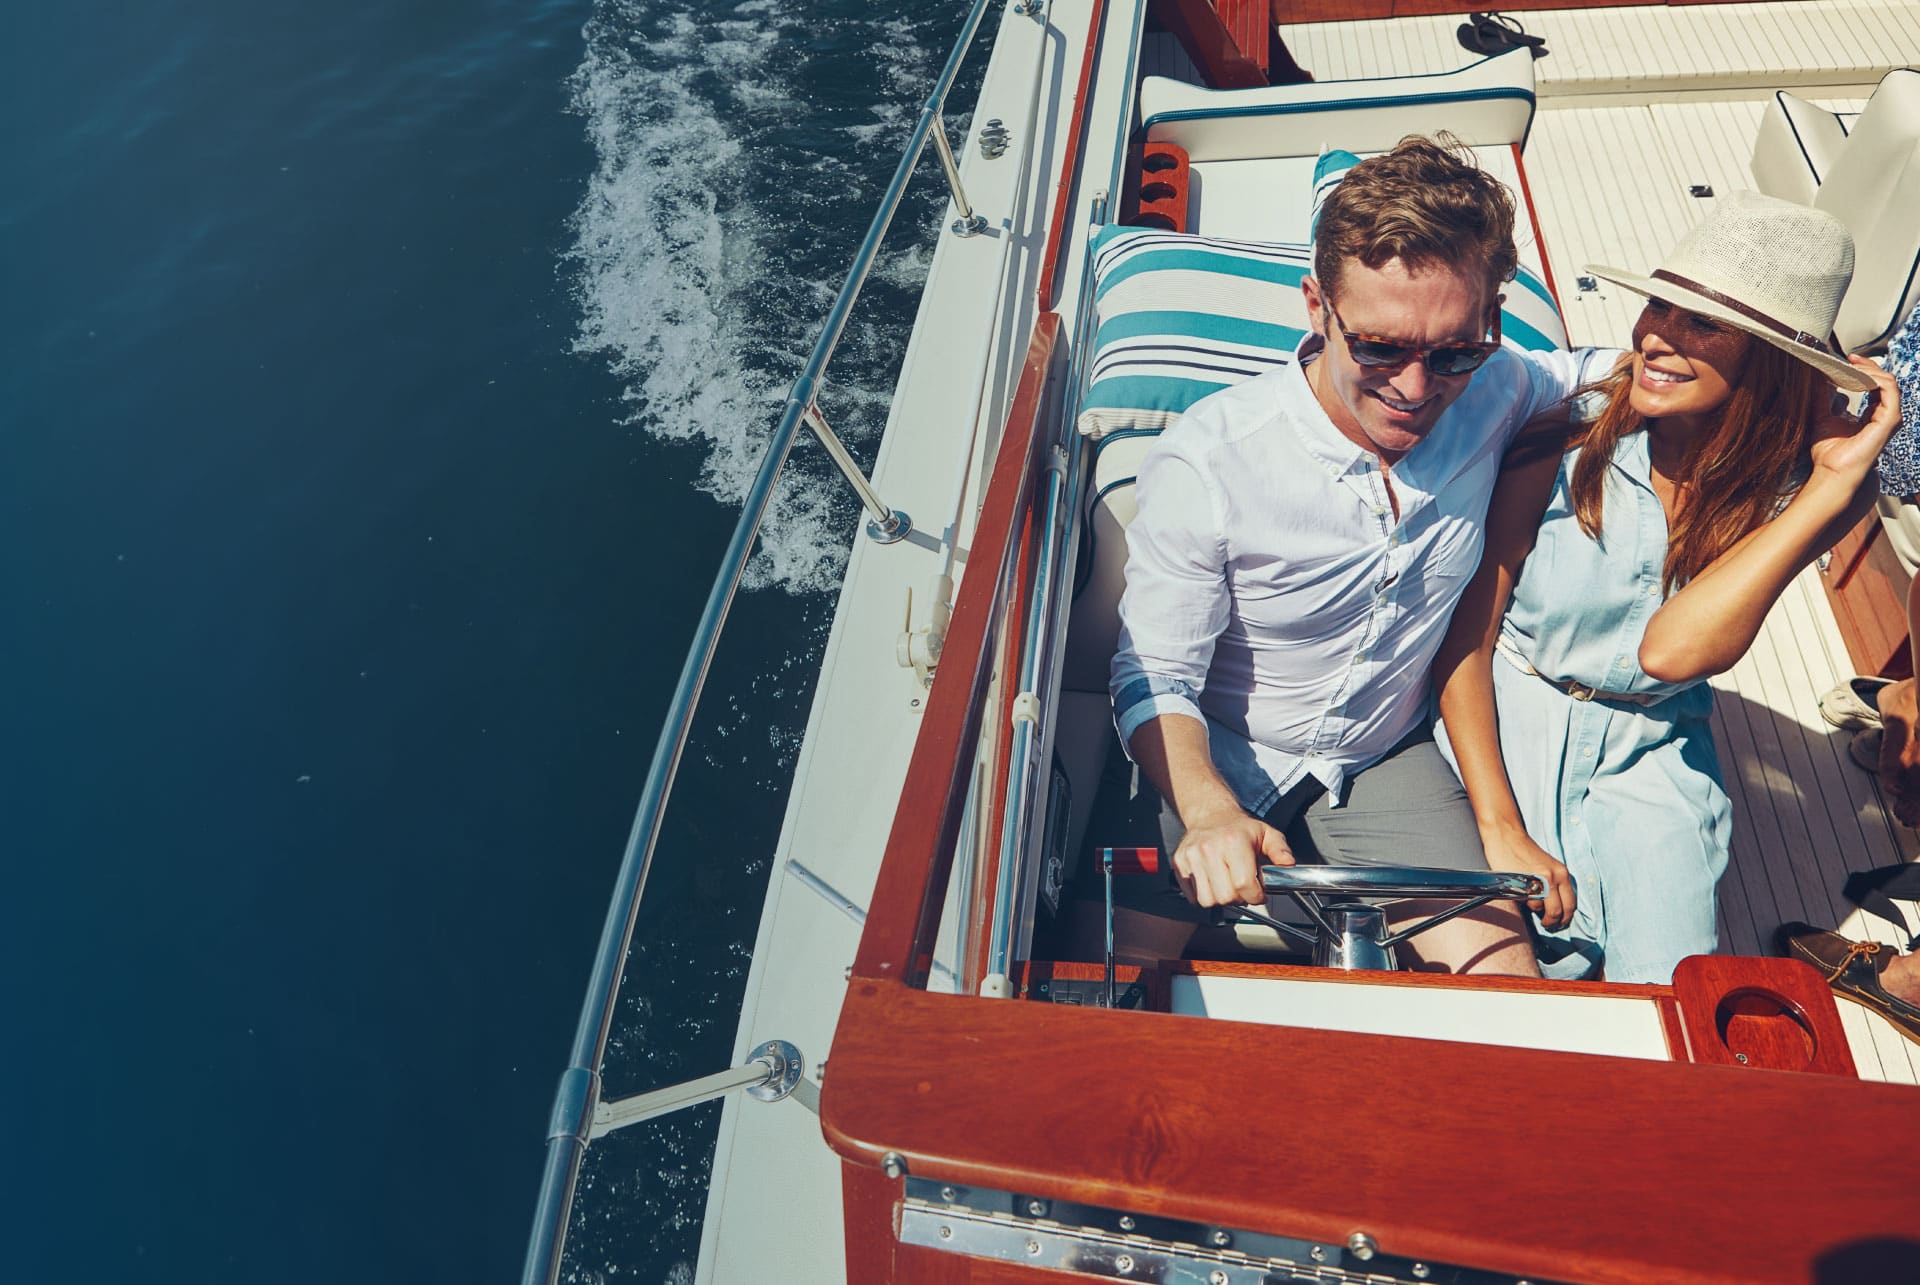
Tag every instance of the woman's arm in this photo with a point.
(1463, 672)
(1708, 626)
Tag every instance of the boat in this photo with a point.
(931, 1083)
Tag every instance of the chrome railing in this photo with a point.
(1064, 514)
(575, 1101)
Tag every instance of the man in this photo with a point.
(1301, 541)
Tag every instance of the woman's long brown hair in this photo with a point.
(1735, 475)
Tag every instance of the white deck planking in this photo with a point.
(1656, 48)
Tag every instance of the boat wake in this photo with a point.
(739, 149)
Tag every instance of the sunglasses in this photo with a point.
(1441, 359)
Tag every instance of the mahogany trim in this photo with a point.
(1208, 42)
(1539, 237)
(1760, 1012)
(904, 912)
(1070, 161)
(1550, 1164)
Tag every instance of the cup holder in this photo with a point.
(1760, 1028)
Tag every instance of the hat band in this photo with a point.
(1751, 314)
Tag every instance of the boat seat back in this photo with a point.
(1873, 187)
(1795, 148)
(1489, 103)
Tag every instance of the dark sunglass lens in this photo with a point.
(1456, 361)
(1371, 352)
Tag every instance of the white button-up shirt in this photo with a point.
(1272, 592)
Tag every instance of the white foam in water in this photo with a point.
(677, 271)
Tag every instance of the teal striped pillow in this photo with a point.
(1179, 317)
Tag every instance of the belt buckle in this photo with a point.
(1580, 691)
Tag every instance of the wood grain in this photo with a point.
(1516, 1160)
(1773, 1013)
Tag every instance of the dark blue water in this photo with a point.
(379, 385)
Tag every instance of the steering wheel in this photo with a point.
(1353, 935)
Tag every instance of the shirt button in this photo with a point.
(1587, 753)
(1621, 663)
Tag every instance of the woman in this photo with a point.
(1695, 483)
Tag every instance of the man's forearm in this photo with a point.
(1172, 750)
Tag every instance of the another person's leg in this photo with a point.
(1409, 810)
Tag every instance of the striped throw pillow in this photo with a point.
(1179, 317)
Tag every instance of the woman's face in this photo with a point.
(1684, 364)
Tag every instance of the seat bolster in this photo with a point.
(1795, 148)
(1874, 188)
(1490, 103)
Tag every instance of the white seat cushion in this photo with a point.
(1489, 102)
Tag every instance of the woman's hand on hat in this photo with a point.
(1844, 447)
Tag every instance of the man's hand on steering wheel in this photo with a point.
(1218, 862)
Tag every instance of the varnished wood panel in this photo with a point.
(1867, 588)
(1209, 43)
(1763, 1013)
(1681, 1173)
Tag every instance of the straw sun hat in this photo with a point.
(1772, 268)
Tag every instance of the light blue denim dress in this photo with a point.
(1628, 795)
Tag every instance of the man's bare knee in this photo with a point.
(1490, 940)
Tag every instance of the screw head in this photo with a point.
(1038, 1208)
(1361, 1246)
(1220, 1239)
(1421, 1271)
(1216, 1277)
(1033, 1249)
(1127, 1223)
(947, 1194)
(893, 1164)
(1123, 1264)
(1317, 1254)
(946, 1233)
(1741, 1058)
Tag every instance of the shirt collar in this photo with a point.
(1314, 427)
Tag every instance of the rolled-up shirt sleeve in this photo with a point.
(1556, 375)
(1176, 600)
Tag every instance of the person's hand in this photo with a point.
(1219, 860)
(1510, 850)
(1846, 448)
(1900, 750)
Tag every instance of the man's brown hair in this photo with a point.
(1427, 203)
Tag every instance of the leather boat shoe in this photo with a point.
(1852, 969)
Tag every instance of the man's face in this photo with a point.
(1390, 409)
